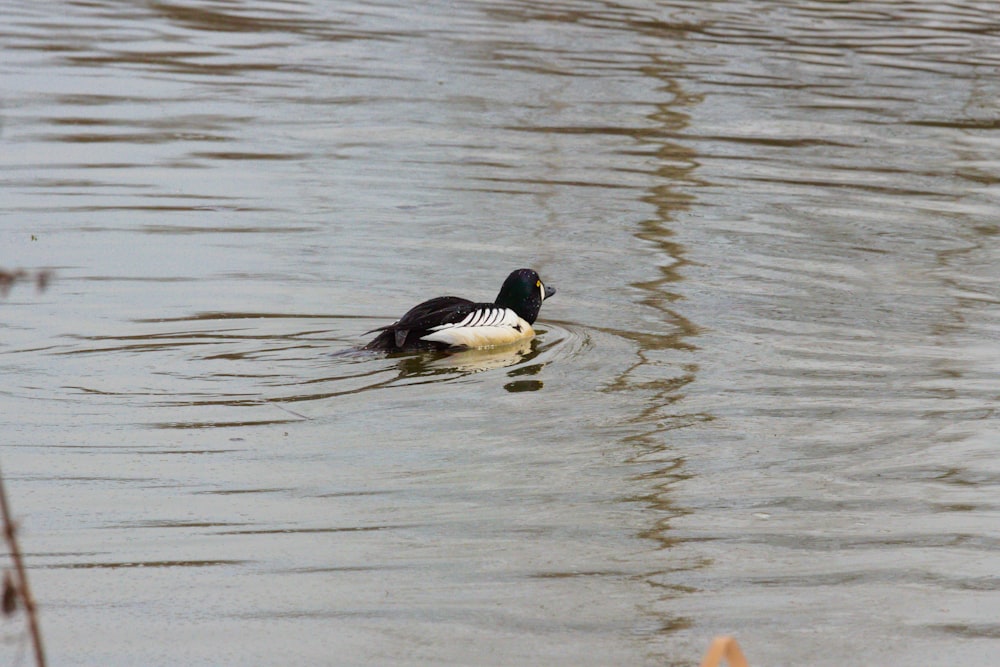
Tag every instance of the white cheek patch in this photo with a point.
(487, 327)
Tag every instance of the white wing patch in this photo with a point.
(484, 327)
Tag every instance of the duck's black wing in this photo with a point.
(417, 322)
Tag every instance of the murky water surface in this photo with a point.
(763, 402)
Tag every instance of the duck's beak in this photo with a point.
(549, 291)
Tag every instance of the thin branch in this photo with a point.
(9, 533)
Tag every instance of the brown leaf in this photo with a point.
(8, 602)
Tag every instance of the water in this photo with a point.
(763, 401)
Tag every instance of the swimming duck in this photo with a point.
(453, 322)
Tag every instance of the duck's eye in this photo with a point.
(538, 283)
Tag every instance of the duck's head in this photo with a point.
(523, 292)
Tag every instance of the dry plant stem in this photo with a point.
(724, 648)
(22, 577)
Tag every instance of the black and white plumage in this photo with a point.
(452, 322)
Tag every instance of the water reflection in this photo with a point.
(463, 362)
(672, 352)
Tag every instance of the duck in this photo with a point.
(451, 322)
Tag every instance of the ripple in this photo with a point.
(204, 365)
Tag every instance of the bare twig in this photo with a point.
(18, 588)
(8, 278)
(9, 533)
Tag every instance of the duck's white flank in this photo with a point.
(486, 327)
